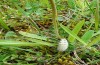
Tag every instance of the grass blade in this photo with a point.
(87, 36)
(71, 3)
(96, 40)
(19, 43)
(97, 33)
(4, 25)
(76, 30)
(96, 15)
(72, 34)
(28, 17)
(32, 35)
(89, 6)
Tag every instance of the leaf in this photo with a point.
(33, 23)
(87, 36)
(96, 40)
(37, 41)
(76, 30)
(22, 10)
(19, 43)
(4, 25)
(2, 57)
(32, 35)
(10, 34)
(96, 33)
(92, 4)
(27, 14)
(96, 15)
(72, 34)
(71, 3)
(28, 5)
(45, 2)
(89, 5)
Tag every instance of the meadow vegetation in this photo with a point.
(30, 31)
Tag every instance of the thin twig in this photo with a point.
(75, 54)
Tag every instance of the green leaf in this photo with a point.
(45, 2)
(94, 41)
(71, 3)
(96, 15)
(3, 24)
(28, 5)
(19, 43)
(72, 34)
(27, 14)
(76, 30)
(32, 35)
(22, 10)
(10, 34)
(2, 57)
(96, 33)
(87, 36)
(38, 41)
(91, 5)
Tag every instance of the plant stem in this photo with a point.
(54, 12)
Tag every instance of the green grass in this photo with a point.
(4, 25)
(30, 32)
